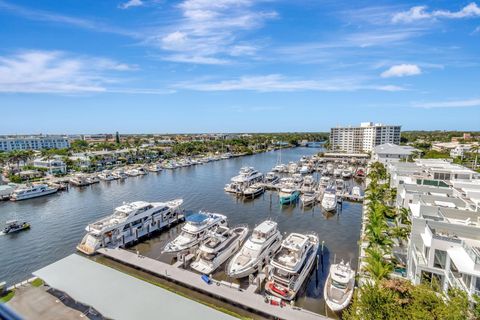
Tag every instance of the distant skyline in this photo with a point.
(159, 66)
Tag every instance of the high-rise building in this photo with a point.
(363, 138)
(36, 142)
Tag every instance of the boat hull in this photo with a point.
(36, 195)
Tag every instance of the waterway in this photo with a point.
(58, 221)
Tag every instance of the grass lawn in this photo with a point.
(7, 297)
(37, 282)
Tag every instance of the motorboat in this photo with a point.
(195, 230)
(297, 178)
(356, 191)
(271, 178)
(309, 198)
(308, 184)
(128, 223)
(142, 171)
(155, 167)
(106, 175)
(324, 181)
(340, 184)
(219, 245)
(329, 201)
(13, 226)
(247, 176)
(360, 172)
(253, 190)
(79, 180)
(337, 172)
(259, 247)
(281, 168)
(338, 290)
(330, 168)
(32, 191)
(93, 180)
(292, 167)
(346, 173)
(291, 265)
(288, 195)
(119, 174)
(304, 170)
(233, 188)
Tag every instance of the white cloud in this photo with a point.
(209, 32)
(56, 72)
(131, 3)
(448, 104)
(402, 70)
(280, 83)
(419, 13)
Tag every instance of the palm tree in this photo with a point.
(376, 265)
(404, 216)
(475, 149)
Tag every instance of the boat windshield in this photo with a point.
(249, 252)
(339, 285)
(207, 256)
(188, 235)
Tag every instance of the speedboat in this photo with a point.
(308, 198)
(337, 172)
(32, 191)
(308, 184)
(253, 191)
(128, 223)
(288, 195)
(219, 245)
(271, 178)
(232, 188)
(195, 230)
(330, 168)
(338, 290)
(340, 184)
(132, 172)
(291, 265)
(329, 201)
(259, 247)
(360, 173)
(304, 170)
(15, 226)
(119, 174)
(356, 191)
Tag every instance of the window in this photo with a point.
(440, 259)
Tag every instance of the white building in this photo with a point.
(37, 142)
(444, 244)
(389, 152)
(363, 138)
(54, 166)
(460, 150)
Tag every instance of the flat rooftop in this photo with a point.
(117, 295)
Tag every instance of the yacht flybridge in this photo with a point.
(195, 230)
(338, 288)
(291, 266)
(245, 178)
(128, 223)
(260, 246)
(219, 245)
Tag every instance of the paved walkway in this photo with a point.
(244, 298)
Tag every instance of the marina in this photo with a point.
(201, 187)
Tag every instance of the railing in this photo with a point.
(454, 281)
(447, 238)
(472, 253)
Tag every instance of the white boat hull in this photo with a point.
(35, 195)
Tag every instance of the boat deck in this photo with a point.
(245, 298)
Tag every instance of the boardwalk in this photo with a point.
(244, 298)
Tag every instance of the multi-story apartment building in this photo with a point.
(444, 204)
(36, 142)
(363, 138)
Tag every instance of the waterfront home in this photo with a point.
(390, 152)
(53, 166)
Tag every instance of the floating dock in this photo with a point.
(248, 298)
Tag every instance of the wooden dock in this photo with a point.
(247, 298)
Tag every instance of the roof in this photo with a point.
(266, 226)
(390, 148)
(117, 295)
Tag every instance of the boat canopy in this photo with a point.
(197, 218)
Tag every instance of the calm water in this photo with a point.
(58, 221)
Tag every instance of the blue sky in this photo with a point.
(78, 66)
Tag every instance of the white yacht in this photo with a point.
(356, 191)
(297, 178)
(247, 176)
(130, 222)
(233, 188)
(142, 171)
(347, 173)
(308, 184)
(329, 201)
(291, 266)
(281, 168)
(305, 169)
(132, 172)
(340, 184)
(195, 230)
(260, 246)
(338, 290)
(119, 174)
(32, 191)
(106, 175)
(330, 168)
(292, 167)
(219, 245)
(253, 191)
(337, 172)
(308, 198)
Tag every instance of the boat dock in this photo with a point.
(224, 291)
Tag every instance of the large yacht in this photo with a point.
(260, 246)
(219, 245)
(130, 222)
(33, 191)
(195, 230)
(291, 266)
(79, 180)
(329, 201)
(253, 191)
(338, 288)
(247, 176)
